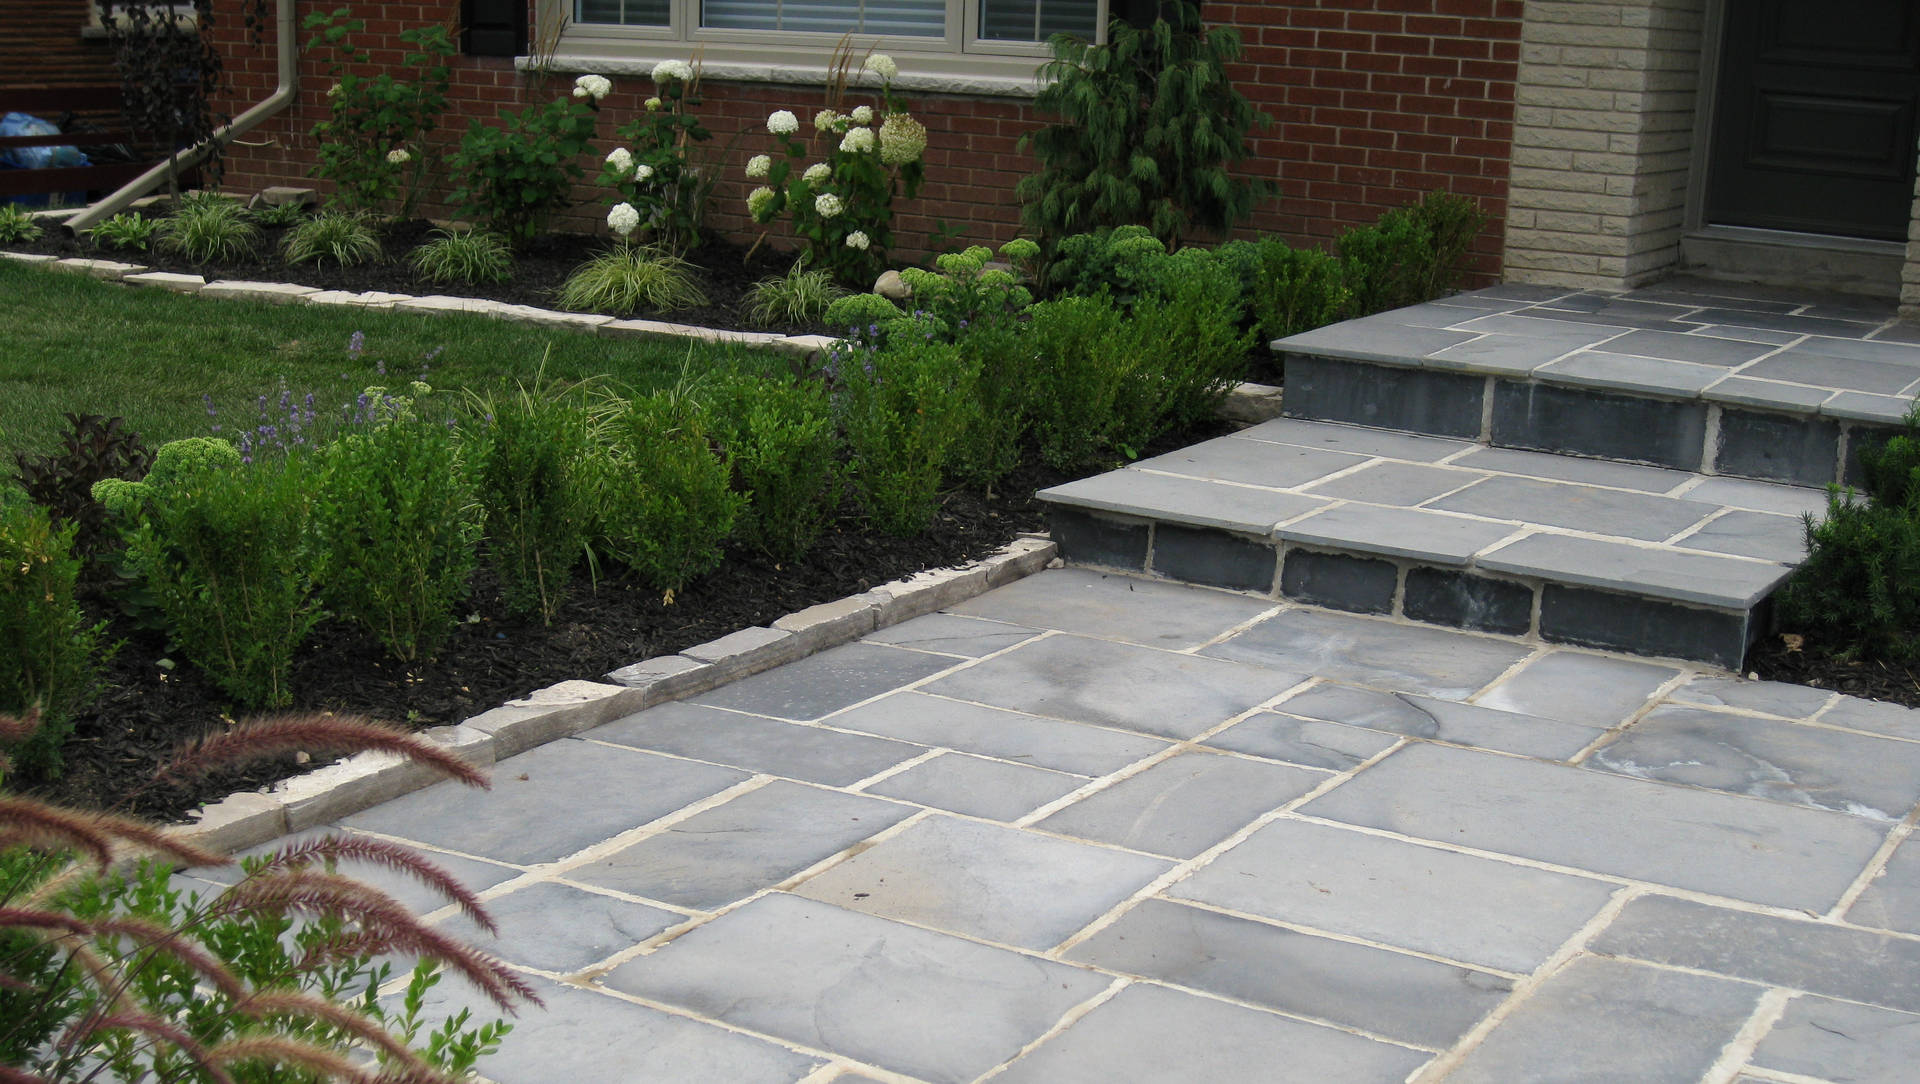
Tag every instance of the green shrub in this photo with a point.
(49, 653)
(129, 231)
(1117, 262)
(346, 239)
(1296, 290)
(531, 466)
(963, 291)
(990, 448)
(1084, 367)
(206, 228)
(373, 144)
(1388, 264)
(1188, 327)
(661, 492)
(798, 297)
(17, 225)
(632, 278)
(93, 449)
(466, 256)
(396, 509)
(862, 311)
(226, 552)
(1150, 128)
(1452, 223)
(780, 437)
(904, 408)
(514, 177)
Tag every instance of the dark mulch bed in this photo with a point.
(1806, 662)
(726, 271)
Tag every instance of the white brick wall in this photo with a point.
(1603, 131)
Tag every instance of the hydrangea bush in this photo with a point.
(515, 176)
(857, 163)
(373, 144)
(658, 187)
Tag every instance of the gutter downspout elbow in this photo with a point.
(282, 96)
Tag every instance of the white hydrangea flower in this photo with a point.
(862, 114)
(336, 90)
(654, 104)
(817, 173)
(858, 239)
(673, 69)
(643, 172)
(902, 139)
(759, 166)
(824, 120)
(783, 122)
(827, 205)
(882, 65)
(398, 156)
(857, 141)
(623, 219)
(621, 159)
(759, 200)
(592, 86)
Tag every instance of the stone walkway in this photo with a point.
(1096, 828)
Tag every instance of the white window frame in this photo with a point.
(958, 62)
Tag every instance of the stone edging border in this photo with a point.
(250, 818)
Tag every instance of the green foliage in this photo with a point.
(860, 311)
(171, 72)
(661, 493)
(1150, 126)
(206, 227)
(632, 278)
(466, 256)
(991, 446)
(124, 230)
(49, 653)
(801, 296)
(17, 225)
(1084, 380)
(515, 176)
(654, 175)
(226, 552)
(1452, 223)
(93, 449)
(1296, 290)
(373, 144)
(904, 407)
(1117, 261)
(346, 239)
(964, 291)
(780, 438)
(1189, 325)
(531, 465)
(396, 510)
(279, 215)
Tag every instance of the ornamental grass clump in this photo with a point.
(126, 231)
(632, 278)
(346, 239)
(206, 227)
(858, 162)
(464, 255)
(800, 296)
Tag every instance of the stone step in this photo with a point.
(1720, 378)
(1612, 555)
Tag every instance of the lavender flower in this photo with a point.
(356, 344)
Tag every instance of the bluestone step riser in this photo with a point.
(1365, 583)
(1693, 435)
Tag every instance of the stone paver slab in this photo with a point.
(1371, 339)
(1772, 697)
(630, 788)
(750, 842)
(1120, 685)
(1356, 439)
(953, 634)
(1398, 894)
(1309, 742)
(1566, 468)
(986, 881)
(1623, 372)
(1847, 374)
(1576, 687)
(1251, 462)
(1427, 537)
(1768, 395)
(1705, 579)
(1576, 507)
(1152, 1033)
(1752, 534)
(1509, 355)
(1704, 349)
(825, 683)
(1876, 778)
(756, 744)
(1892, 899)
(1746, 493)
(476, 875)
(1605, 1020)
(1858, 406)
(1401, 997)
(1005, 735)
(1400, 484)
(1835, 1040)
(1716, 843)
(1193, 502)
(1151, 612)
(1441, 720)
(560, 928)
(977, 787)
(1182, 805)
(1878, 716)
(1402, 657)
(1814, 956)
(912, 1001)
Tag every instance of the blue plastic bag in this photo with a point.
(24, 124)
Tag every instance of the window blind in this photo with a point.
(623, 12)
(1038, 20)
(902, 18)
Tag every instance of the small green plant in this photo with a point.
(1189, 324)
(964, 291)
(662, 496)
(515, 176)
(904, 407)
(206, 228)
(464, 255)
(801, 296)
(779, 436)
(396, 508)
(650, 171)
(278, 215)
(49, 652)
(1388, 264)
(17, 225)
(1452, 223)
(373, 145)
(126, 231)
(346, 239)
(532, 454)
(1150, 128)
(1086, 373)
(1295, 290)
(632, 278)
(860, 312)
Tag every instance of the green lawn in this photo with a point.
(72, 343)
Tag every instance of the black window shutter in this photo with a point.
(493, 27)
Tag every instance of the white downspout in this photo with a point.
(282, 96)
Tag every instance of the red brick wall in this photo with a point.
(1374, 103)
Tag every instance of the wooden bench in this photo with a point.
(52, 102)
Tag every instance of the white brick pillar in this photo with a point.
(1603, 128)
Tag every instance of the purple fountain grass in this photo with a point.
(277, 735)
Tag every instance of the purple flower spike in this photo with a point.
(356, 344)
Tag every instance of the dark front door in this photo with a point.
(1815, 120)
